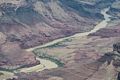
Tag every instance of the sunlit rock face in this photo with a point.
(39, 19)
(45, 20)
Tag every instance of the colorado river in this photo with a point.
(44, 63)
(47, 64)
(102, 24)
(5, 75)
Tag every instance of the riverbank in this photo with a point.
(42, 66)
(50, 58)
(47, 57)
(6, 75)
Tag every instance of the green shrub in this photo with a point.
(48, 57)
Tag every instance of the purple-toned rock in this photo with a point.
(12, 56)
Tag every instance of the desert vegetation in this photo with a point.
(43, 55)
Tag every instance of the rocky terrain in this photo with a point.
(86, 58)
(36, 22)
(28, 23)
(12, 56)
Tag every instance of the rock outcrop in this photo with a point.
(12, 56)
